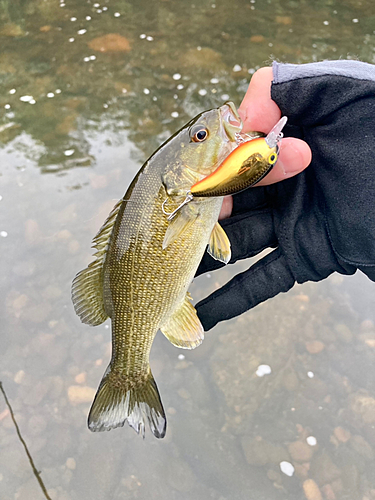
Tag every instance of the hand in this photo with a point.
(260, 113)
(317, 222)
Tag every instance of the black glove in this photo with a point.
(322, 220)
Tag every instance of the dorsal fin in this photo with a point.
(87, 287)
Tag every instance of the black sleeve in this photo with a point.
(335, 115)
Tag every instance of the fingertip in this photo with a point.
(295, 155)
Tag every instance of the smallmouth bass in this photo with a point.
(145, 264)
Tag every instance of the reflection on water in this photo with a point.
(87, 108)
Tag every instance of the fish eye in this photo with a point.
(272, 158)
(199, 133)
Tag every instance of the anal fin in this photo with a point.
(183, 329)
(219, 245)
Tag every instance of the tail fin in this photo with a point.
(119, 400)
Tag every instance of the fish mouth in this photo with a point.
(230, 120)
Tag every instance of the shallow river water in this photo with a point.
(78, 116)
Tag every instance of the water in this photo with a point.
(76, 123)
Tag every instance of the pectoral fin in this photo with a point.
(183, 329)
(178, 226)
(219, 245)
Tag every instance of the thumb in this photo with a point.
(265, 279)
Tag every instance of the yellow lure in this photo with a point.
(244, 166)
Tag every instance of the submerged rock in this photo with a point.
(112, 42)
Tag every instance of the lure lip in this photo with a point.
(275, 135)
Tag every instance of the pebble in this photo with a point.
(290, 379)
(36, 425)
(274, 476)
(367, 325)
(311, 440)
(184, 393)
(286, 20)
(64, 234)
(324, 469)
(303, 298)
(37, 313)
(300, 451)
(180, 476)
(81, 378)
(24, 268)
(36, 393)
(314, 346)
(74, 247)
(52, 292)
(328, 492)
(260, 452)
(112, 42)
(311, 490)
(302, 470)
(257, 39)
(26, 98)
(344, 333)
(70, 463)
(81, 394)
(20, 302)
(263, 370)
(98, 181)
(361, 446)
(341, 434)
(19, 376)
(287, 468)
(32, 232)
(364, 406)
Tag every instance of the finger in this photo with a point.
(265, 279)
(257, 110)
(249, 234)
(295, 155)
(226, 208)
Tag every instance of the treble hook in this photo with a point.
(239, 138)
(171, 215)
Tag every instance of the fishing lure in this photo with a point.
(246, 165)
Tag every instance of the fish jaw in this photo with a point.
(231, 121)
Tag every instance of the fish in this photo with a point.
(146, 259)
(245, 166)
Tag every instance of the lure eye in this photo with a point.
(199, 134)
(272, 158)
